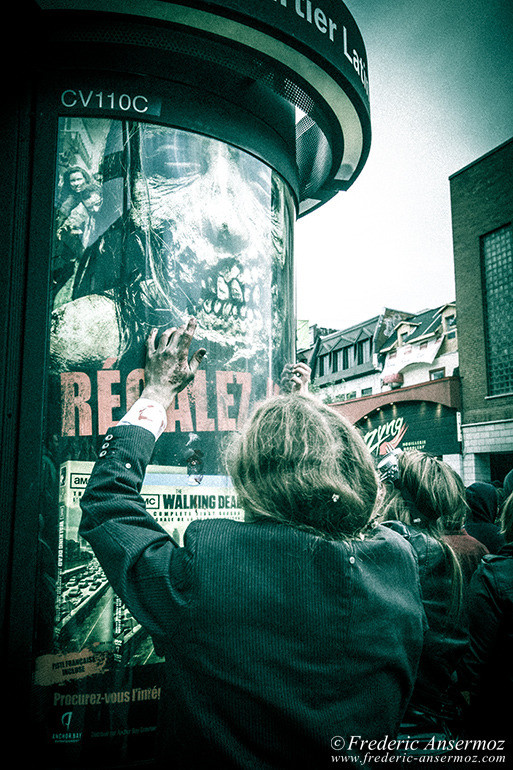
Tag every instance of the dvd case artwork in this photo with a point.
(88, 613)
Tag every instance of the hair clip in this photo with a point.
(335, 498)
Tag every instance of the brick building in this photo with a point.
(482, 217)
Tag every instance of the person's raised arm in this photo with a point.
(135, 552)
(295, 378)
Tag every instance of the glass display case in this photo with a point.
(151, 224)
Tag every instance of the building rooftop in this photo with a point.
(423, 325)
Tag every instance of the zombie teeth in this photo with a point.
(236, 290)
(223, 290)
(215, 312)
(230, 293)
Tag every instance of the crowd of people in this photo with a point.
(355, 604)
(467, 588)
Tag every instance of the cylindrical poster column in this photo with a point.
(171, 148)
(160, 223)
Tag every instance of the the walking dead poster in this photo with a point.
(151, 224)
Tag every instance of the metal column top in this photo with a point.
(316, 49)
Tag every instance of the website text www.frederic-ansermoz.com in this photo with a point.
(428, 750)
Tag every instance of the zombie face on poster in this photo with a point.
(171, 224)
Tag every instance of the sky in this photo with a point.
(441, 95)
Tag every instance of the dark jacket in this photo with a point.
(276, 641)
(483, 502)
(488, 665)
(436, 694)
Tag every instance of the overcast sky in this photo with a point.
(441, 93)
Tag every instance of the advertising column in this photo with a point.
(165, 151)
(159, 223)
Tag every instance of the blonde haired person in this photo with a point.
(289, 636)
(300, 463)
(425, 493)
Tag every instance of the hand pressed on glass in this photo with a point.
(168, 369)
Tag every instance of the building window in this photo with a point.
(334, 355)
(497, 270)
(436, 374)
(450, 326)
(347, 357)
(320, 366)
(352, 394)
(366, 391)
(363, 351)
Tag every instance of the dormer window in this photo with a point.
(363, 351)
(403, 331)
(449, 325)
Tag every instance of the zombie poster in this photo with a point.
(151, 224)
(158, 225)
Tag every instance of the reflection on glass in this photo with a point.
(172, 223)
(152, 224)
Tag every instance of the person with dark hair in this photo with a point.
(421, 490)
(72, 237)
(74, 181)
(481, 522)
(488, 666)
(284, 633)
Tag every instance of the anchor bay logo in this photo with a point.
(66, 736)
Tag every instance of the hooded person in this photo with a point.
(483, 502)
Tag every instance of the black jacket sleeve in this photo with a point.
(485, 623)
(145, 566)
